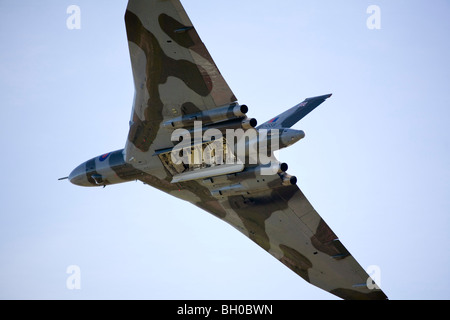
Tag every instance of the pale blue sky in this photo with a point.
(374, 163)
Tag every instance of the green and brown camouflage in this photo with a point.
(177, 83)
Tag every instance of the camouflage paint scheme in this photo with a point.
(175, 78)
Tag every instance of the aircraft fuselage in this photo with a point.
(111, 168)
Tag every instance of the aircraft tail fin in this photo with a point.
(290, 117)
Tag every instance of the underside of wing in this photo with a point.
(174, 74)
(274, 213)
(283, 222)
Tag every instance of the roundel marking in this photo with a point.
(104, 157)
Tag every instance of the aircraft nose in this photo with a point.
(78, 176)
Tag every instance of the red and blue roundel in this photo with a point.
(104, 157)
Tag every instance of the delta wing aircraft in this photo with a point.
(190, 138)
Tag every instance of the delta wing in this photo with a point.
(174, 75)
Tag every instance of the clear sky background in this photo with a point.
(374, 163)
